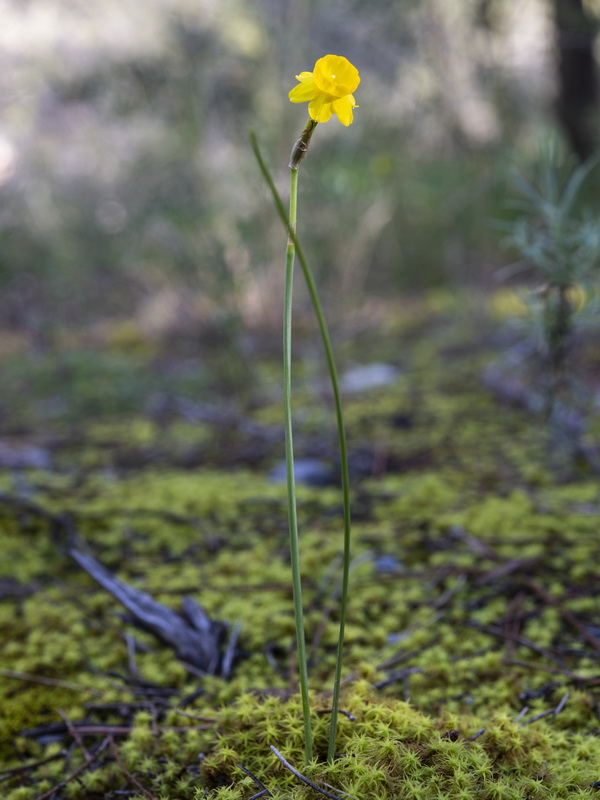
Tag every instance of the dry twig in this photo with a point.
(87, 763)
(301, 777)
(131, 778)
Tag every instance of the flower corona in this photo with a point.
(328, 89)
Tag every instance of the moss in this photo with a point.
(446, 543)
(392, 750)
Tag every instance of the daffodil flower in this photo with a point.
(328, 89)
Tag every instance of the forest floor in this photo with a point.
(140, 487)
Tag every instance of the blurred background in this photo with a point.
(130, 199)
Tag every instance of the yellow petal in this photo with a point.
(304, 91)
(336, 76)
(319, 108)
(342, 107)
(305, 76)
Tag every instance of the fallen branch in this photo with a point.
(196, 638)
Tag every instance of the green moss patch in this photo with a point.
(473, 601)
(392, 750)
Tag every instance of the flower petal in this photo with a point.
(335, 75)
(319, 108)
(304, 91)
(328, 89)
(342, 107)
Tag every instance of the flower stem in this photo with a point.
(289, 463)
(314, 296)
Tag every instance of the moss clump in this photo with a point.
(471, 565)
(392, 750)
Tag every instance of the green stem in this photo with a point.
(289, 463)
(314, 296)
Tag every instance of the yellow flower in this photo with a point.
(328, 89)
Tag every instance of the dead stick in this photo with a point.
(6, 774)
(522, 713)
(567, 615)
(537, 717)
(476, 735)
(116, 730)
(102, 747)
(566, 673)
(348, 714)
(131, 778)
(192, 716)
(301, 777)
(26, 676)
(561, 704)
(122, 730)
(74, 733)
(260, 784)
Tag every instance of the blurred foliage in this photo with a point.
(557, 238)
(125, 168)
(88, 383)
